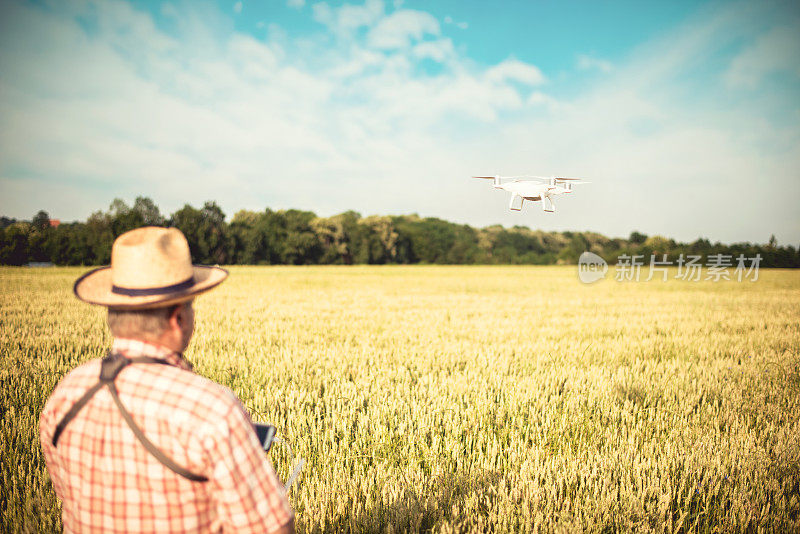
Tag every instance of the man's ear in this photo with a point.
(176, 316)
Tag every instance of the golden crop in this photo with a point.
(456, 399)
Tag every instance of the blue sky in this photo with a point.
(684, 115)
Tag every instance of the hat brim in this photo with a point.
(94, 287)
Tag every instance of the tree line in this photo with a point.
(296, 237)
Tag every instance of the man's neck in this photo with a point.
(138, 347)
(135, 340)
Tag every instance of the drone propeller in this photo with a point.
(495, 178)
(552, 180)
(549, 178)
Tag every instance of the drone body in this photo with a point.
(534, 188)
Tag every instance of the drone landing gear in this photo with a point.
(514, 198)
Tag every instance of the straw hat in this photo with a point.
(150, 267)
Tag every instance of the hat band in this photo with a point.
(150, 291)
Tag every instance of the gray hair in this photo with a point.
(147, 325)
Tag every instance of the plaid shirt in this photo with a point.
(108, 482)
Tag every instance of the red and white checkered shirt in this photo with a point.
(108, 482)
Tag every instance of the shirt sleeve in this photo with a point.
(248, 494)
(46, 430)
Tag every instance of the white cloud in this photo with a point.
(358, 60)
(296, 4)
(439, 50)
(135, 111)
(537, 98)
(402, 27)
(253, 58)
(586, 62)
(461, 25)
(169, 10)
(343, 21)
(516, 70)
(776, 51)
(237, 7)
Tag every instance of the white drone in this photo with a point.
(534, 188)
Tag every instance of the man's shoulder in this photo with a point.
(211, 409)
(192, 386)
(184, 390)
(181, 389)
(78, 379)
(71, 387)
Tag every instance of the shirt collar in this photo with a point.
(136, 347)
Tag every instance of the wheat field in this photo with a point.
(467, 399)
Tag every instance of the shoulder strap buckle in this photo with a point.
(111, 366)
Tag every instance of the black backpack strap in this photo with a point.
(70, 415)
(110, 367)
(151, 448)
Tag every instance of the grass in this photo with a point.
(467, 399)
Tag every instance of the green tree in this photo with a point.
(637, 238)
(147, 212)
(14, 244)
(143, 213)
(38, 234)
(300, 244)
(206, 232)
(41, 221)
(246, 244)
(99, 238)
(68, 244)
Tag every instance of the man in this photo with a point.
(136, 442)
